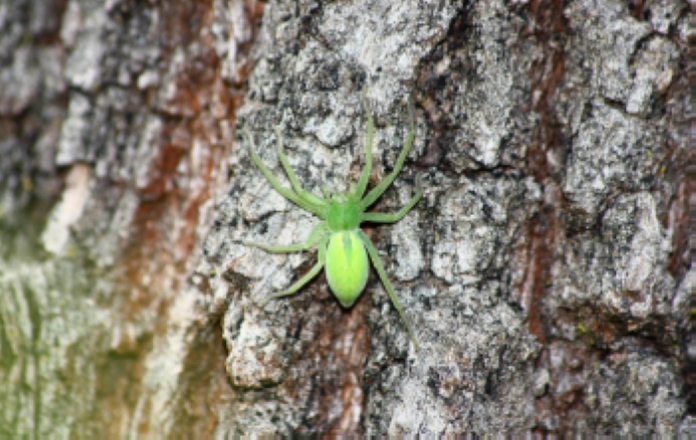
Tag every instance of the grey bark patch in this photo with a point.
(462, 257)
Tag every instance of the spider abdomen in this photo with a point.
(347, 266)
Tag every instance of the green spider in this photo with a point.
(342, 243)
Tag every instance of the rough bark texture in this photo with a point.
(544, 271)
(114, 125)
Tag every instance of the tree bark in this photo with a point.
(545, 271)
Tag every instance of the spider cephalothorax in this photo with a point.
(343, 246)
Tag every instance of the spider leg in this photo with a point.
(379, 217)
(318, 231)
(367, 169)
(326, 191)
(306, 278)
(377, 191)
(374, 256)
(308, 196)
(288, 194)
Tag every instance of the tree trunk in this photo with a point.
(545, 270)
